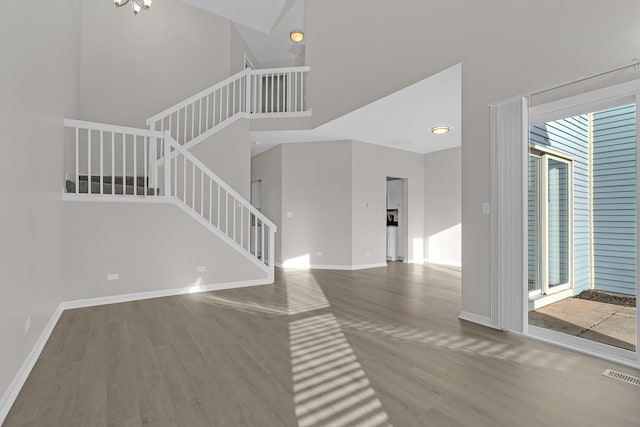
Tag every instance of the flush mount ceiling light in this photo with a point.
(439, 130)
(135, 4)
(296, 36)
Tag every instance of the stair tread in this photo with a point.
(108, 188)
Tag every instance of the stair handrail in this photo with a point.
(190, 100)
(104, 127)
(261, 93)
(170, 142)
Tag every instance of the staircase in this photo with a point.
(115, 163)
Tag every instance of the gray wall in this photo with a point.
(228, 154)
(38, 87)
(495, 50)
(136, 66)
(442, 210)
(316, 188)
(327, 186)
(372, 164)
(267, 167)
(237, 52)
(104, 238)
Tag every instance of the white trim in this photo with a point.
(334, 267)
(582, 345)
(478, 319)
(348, 267)
(21, 376)
(216, 231)
(139, 296)
(542, 300)
(564, 83)
(281, 70)
(104, 127)
(114, 198)
(306, 113)
(445, 263)
(599, 99)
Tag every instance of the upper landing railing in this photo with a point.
(276, 92)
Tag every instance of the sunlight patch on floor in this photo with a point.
(481, 347)
(330, 387)
(305, 296)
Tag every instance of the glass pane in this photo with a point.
(533, 227)
(558, 222)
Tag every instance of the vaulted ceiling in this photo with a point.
(264, 24)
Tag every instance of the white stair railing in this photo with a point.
(120, 163)
(209, 200)
(111, 160)
(276, 92)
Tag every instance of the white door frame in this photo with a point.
(601, 99)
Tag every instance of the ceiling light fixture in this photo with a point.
(296, 36)
(439, 130)
(137, 5)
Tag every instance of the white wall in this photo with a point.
(136, 66)
(40, 63)
(442, 207)
(505, 48)
(372, 164)
(152, 247)
(267, 167)
(317, 190)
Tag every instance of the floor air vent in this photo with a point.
(622, 377)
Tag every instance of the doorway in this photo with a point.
(582, 224)
(397, 219)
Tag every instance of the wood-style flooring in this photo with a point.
(374, 348)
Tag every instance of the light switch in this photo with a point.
(486, 209)
(289, 214)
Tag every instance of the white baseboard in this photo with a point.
(476, 318)
(92, 302)
(20, 378)
(12, 392)
(445, 263)
(335, 267)
(347, 267)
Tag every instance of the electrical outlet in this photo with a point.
(289, 214)
(113, 276)
(27, 325)
(201, 269)
(486, 209)
(319, 253)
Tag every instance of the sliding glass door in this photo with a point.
(549, 223)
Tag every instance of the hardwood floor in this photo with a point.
(318, 348)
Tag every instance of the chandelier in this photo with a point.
(135, 4)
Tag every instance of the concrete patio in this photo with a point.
(597, 321)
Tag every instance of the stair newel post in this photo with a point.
(272, 248)
(247, 80)
(167, 163)
(153, 163)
